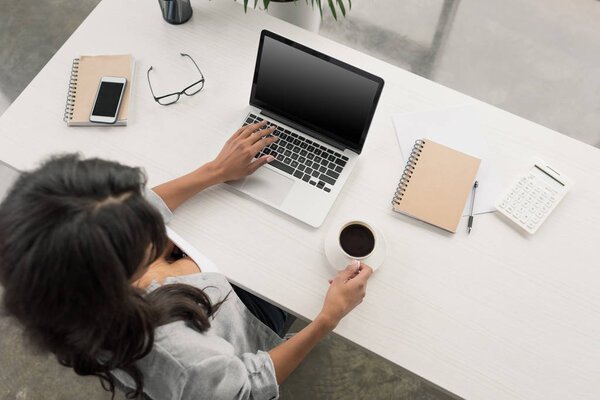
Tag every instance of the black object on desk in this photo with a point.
(176, 11)
(470, 224)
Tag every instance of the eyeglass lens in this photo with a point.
(169, 99)
(195, 88)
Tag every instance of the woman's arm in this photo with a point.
(346, 291)
(233, 162)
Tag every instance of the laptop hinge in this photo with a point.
(304, 129)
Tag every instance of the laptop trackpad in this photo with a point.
(268, 185)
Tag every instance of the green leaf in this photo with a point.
(332, 9)
(245, 6)
(266, 3)
(349, 4)
(320, 8)
(255, 3)
(341, 4)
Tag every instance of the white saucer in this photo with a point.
(338, 260)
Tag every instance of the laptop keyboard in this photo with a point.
(302, 158)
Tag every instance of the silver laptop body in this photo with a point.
(322, 109)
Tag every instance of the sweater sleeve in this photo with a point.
(159, 204)
(251, 376)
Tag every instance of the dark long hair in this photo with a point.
(72, 235)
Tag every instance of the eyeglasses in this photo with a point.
(188, 91)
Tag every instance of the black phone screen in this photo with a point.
(108, 99)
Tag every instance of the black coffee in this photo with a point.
(357, 240)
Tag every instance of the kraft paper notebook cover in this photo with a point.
(85, 78)
(436, 184)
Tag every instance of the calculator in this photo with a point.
(532, 197)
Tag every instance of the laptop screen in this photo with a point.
(318, 92)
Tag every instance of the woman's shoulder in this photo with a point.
(200, 279)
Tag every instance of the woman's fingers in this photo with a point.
(262, 143)
(249, 129)
(256, 164)
(349, 272)
(257, 136)
(360, 279)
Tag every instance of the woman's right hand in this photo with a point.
(346, 291)
(236, 159)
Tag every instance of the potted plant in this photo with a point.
(306, 14)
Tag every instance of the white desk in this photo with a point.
(494, 315)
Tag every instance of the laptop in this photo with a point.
(322, 110)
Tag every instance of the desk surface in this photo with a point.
(494, 315)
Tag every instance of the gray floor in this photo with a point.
(540, 60)
(537, 59)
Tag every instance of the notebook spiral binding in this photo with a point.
(408, 171)
(71, 93)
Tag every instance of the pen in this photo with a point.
(470, 225)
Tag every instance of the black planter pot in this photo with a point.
(176, 11)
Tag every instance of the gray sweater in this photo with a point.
(228, 361)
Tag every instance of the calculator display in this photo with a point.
(546, 177)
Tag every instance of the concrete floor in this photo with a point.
(537, 59)
(540, 60)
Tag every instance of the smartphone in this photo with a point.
(108, 100)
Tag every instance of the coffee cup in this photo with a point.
(357, 239)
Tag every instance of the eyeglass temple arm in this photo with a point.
(149, 84)
(190, 57)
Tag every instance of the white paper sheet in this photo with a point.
(205, 264)
(458, 128)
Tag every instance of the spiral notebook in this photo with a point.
(86, 73)
(435, 184)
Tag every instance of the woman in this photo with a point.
(89, 272)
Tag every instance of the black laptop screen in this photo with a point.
(314, 90)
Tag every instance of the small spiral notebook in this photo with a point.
(86, 73)
(435, 184)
